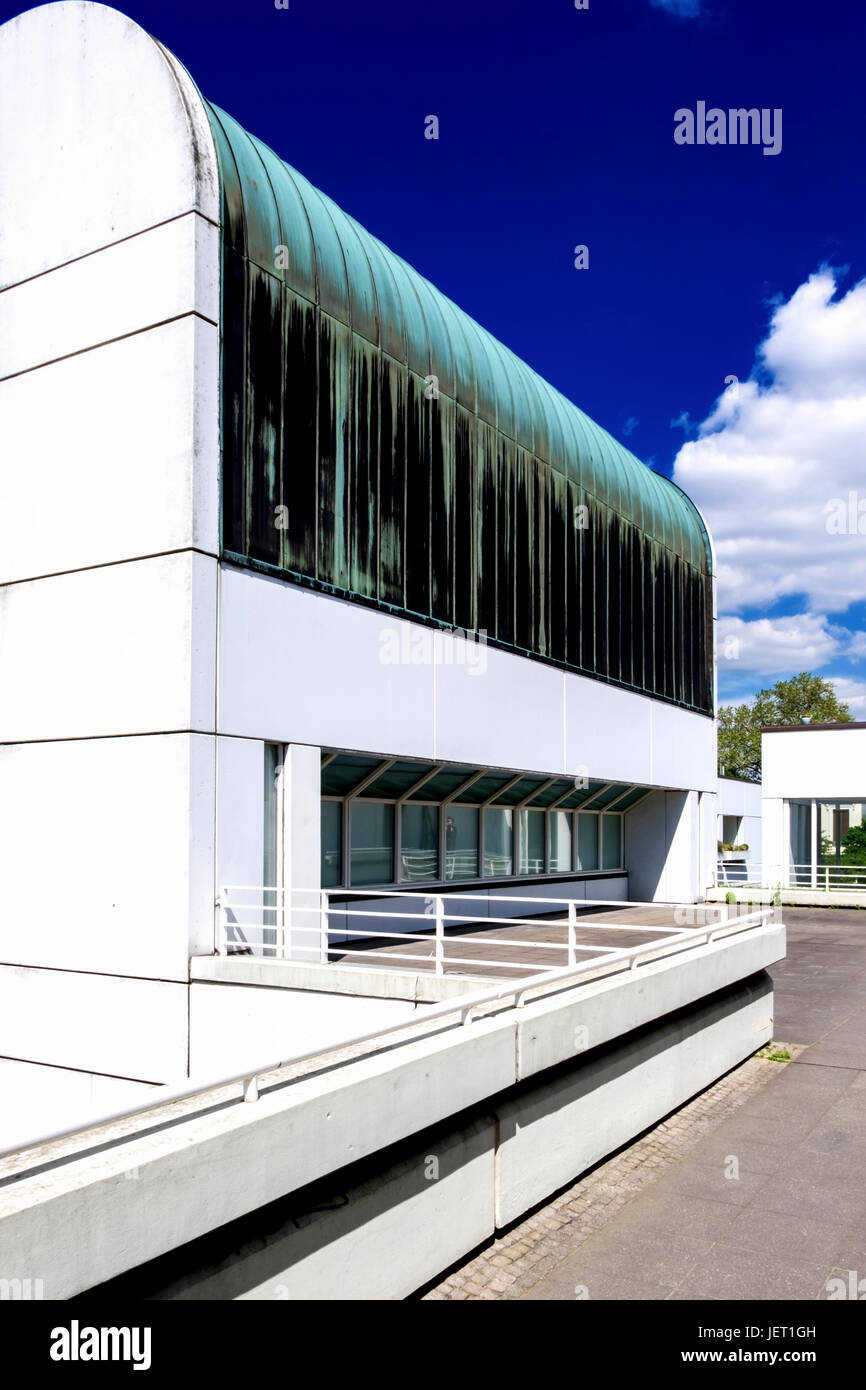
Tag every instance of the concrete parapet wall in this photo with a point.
(558, 1106)
(383, 1228)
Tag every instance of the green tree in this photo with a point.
(803, 698)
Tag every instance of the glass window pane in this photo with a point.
(419, 843)
(560, 842)
(801, 843)
(587, 841)
(842, 831)
(461, 842)
(332, 857)
(850, 828)
(531, 842)
(611, 842)
(372, 842)
(498, 842)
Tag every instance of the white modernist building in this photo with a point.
(813, 806)
(236, 653)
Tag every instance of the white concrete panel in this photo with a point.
(240, 811)
(738, 798)
(683, 748)
(608, 731)
(663, 848)
(130, 1028)
(37, 1098)
(300, 667)
(234, 1024)
(102, 134)
(504, 711)
(145, 280)
(827, 764)
(680, 877)
(100, 854)
(646, 847)
(123, 464)
(122, 649)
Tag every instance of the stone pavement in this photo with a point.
(755, 1189)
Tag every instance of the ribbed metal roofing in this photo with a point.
(334, 262)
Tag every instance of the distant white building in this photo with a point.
(739, 815)
(813, 793)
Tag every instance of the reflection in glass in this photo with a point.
(611, 842)
(461, 841)
(498, 841)
(332, 859)
(372, 853)
(531, 842)
(587, 840)
(419, 843)
(801, 842)
(842, 835)
(560, 841)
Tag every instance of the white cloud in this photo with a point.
(852, 693)
(779, 646)
(781, 454)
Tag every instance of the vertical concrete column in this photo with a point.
(708, 818)
(300, 847)
(681, 876)
(775, 834)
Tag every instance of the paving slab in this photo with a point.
(672, 1218)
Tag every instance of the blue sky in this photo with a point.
(556, 128)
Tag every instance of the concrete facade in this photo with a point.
(150, 675)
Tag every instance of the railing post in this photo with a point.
(323, 927)
(572, 923)
(439, 906)
(221, 919)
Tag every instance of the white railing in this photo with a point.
(279, 925)
(463, 1010)
(749, 873)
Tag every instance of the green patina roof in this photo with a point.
(335, 263)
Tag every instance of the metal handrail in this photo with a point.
(279, 928)
(821, 877)
(464, 1007)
